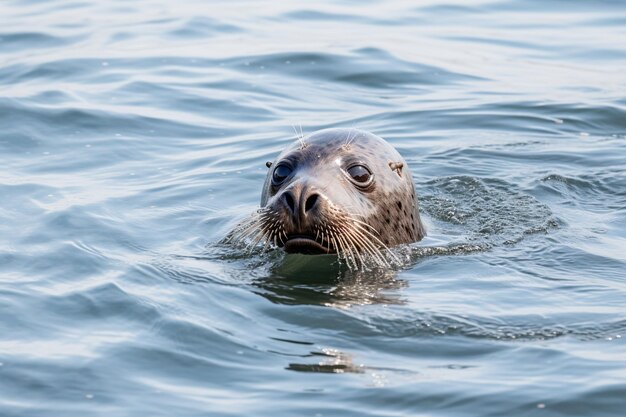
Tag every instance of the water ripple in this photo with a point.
(135, 135)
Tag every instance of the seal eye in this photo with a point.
(281, 172)
(360, 174)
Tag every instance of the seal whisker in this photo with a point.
(349, 213)
(254, 228)
(350, 260)
(365, 224)
(248, 226)
(250, 230)
(348, 237)
(353, 226)
(299, 135)
(351, 136)
(338, 247)
(379, 242)
(241, 235)
(242, 238)
(295, 131)
(347, 248)
(369, 246)
(266, 245)
(239, 228)
(357, 228)
(257, 238)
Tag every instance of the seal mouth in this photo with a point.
(306, 245)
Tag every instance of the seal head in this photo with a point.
(342, 191)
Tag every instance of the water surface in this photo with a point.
(135, 134)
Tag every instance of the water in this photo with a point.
(134, 137)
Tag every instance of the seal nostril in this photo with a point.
(310, 202)
(290, 202)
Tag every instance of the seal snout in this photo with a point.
(302, 206)
(300, 202)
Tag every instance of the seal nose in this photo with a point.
(300, 201)
(290, 201)
(310, 202)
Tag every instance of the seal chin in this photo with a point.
(306, 245)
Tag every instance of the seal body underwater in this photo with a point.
(340, 191)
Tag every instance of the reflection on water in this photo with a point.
(333, 362)
(323, 280)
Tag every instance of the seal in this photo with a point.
(337, 191)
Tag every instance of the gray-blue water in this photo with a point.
(133, 136)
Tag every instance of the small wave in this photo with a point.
(17, 42)
(581, 187)
(512, 328)
(201, 27)
(485, 211)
